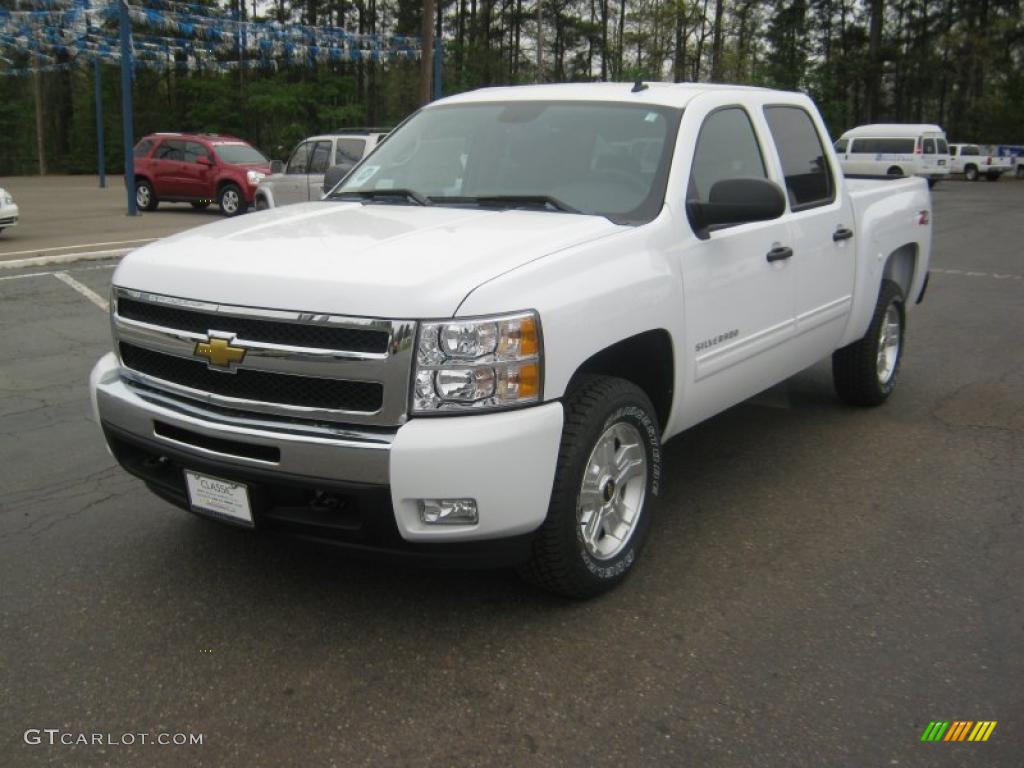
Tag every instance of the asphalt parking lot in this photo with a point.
(820, 584)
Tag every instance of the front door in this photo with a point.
(292, 186)
(738, 284)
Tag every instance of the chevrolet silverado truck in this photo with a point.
(473, 349)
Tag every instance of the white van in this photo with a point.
(895, 149)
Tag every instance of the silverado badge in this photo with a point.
(219, 353)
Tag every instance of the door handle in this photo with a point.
(779, 253)
(843, 233)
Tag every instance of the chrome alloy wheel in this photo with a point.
(888, 344)
(142, 195)
(229, 201)
(612, 492)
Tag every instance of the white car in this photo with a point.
(975, 161)
(895, 149)
(315, 165)
(8, 210)
(474, 348)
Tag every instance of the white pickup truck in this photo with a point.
(974, 161)
(475, 347)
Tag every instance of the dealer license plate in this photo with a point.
(218, 497)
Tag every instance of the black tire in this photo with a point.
(1020, 172)
(145, 197)
(200, 206)
(231, 200)
(596, 408)
(855, 367)
(971, 173)
(894, 171)
(932, 183)
(261, 203)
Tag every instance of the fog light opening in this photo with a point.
(448, 511)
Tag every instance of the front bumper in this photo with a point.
(9, 216)
(348, 485)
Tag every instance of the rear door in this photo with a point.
(821, 227)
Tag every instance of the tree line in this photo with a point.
(957, 63)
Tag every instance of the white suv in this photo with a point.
(313, 163)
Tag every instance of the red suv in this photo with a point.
(199, 169)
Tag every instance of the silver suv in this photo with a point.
(313, 163)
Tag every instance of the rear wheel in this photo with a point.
(609, 463)
(231, 201)
(865, 372)
(261, 203)
(971, 173)
(145, 198)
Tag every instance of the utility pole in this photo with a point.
(426, 51)
(37, 93)
(540, 41)
(127, 121)
(101, 161)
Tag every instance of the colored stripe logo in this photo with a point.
(958, 730)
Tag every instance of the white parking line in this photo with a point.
(47, 274)
(80, 245)
(85, 290)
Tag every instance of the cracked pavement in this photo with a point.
(820, 584)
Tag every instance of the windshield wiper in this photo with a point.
(511, 200)
(371, 194)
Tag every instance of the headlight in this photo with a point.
(6, 198)
(255, 177)
(478, 364)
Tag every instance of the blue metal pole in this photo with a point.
(437, 68)
(101, 159)
(125, 24)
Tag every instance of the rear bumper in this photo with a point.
(355, 487)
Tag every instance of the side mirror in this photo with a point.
(736, 201)
(204, 160)
(334, 175)
(276, 166)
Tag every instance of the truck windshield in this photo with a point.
(239, 154)
(598, 158)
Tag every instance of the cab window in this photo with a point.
(299, 161)
(726, 148)
(808, 175)
(929, 146)
(841, 145)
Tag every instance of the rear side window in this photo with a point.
(349, 151)
(727, 148)
(807, 172)
(143, 147)
(970, 151)
(884, 146)
(929, 146)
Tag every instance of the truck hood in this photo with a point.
(368, 260)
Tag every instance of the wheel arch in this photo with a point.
(646, 359)
(901, 267)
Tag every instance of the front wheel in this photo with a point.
(971, 173)
(864, 373)
(145, 198)
(609, 464)
(231, 201)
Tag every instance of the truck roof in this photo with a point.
(666, 94)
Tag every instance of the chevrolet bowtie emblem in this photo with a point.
(219, 353)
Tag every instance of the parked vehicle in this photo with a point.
(1014, 154)
(474, 348)
(315, 165)
(895, 149)
(975, 161)
(199, 169)
(8, 210)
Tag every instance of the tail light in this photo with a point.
(923, 218)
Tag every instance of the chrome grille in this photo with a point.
(299, 365)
